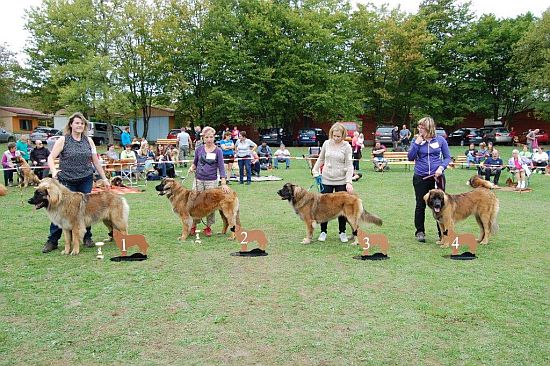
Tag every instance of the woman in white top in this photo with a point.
(337, 173)
(243, 152)
(282, 155)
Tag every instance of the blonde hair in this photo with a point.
(68, 128)
(429, 125)
(338, 127)
(207, 129)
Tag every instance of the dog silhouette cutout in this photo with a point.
(248, 236)
(124, 242)
(460, 240)
(3, 190)
(367, 241)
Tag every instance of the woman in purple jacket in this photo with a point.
(207, 165)
(431, 156)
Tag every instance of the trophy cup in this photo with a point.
(99, 244)
(197, 237)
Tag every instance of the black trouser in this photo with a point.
(495, 172)
(8, 176)
(421, 187)
(341, 219)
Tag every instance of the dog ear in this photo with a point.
(427, 196)
(54, 194)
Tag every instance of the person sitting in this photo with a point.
(471, 155)
(540, 160)
(255, 164)
(8, 163)
(519, 166)
(264, 152)
(481, 155)
(111, 153)
(164, 166)
(493, 165)
(380, 163)
(282, 155)
(39, 158)
(525, 153)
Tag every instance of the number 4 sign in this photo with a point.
(459, 240)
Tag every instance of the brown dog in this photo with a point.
(455, 240)
(449, 209)
(124, 241)
(27, 175)
(191, 205)
(3, 190)
(313, 208)
(477, 182)
(249, 236)
(74, 211)
(367, 241)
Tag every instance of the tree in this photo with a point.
(9, 77)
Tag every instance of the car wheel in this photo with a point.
(461, 142)
(101, 141)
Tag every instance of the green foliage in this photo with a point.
(10, 74)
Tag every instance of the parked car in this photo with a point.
(100, 136)
(50, 141)
(6, 136)
(542, 137)
(42, 133)
(465, 136)
(351, 127)
(441, 132)
(496, 135)
(383, 135)
(275, 136)
(173, 134)
(311, 137)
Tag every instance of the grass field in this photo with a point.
(301, 305)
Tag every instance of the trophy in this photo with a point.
(197, 237)
(99, 244)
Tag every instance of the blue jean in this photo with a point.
(280, 160)
(83, 185)
(245, 163)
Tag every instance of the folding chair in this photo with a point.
(128, 169)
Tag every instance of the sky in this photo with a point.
(12, 15)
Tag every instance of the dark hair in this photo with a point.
(109, 145)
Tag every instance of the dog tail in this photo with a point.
(494, 223)
(370, 218)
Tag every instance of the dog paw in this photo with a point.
(74, 252)
(64, 252)
(355, 242)
(306, 241)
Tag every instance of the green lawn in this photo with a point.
(301, 305)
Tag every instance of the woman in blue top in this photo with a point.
(243, 150)
(431, 156)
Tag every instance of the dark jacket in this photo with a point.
(39, 154)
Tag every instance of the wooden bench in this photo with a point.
(398, 158)
(166, 142)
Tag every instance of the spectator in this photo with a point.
(23, 146)
(264, 152)
(471, 155)
(336, 160)
(197, 133)
(357, 145)
(39, 159)
(531, 138)
(395, 137)
(164, 166)
(519, 166)
(431, 156)
(380, 163)
(525, 153)
(405, 136)
(111, 153)
(481, 155)
(8, 163)
(492, 166)
(184, 146)
(235, 134)
(513, 136)
(207, 165)
(125, 137)
(540, 160)
(228, 149)
(490, 148)
(77, 159)
(255, 164)
(128, 153)
(243, 151)
(282, 155)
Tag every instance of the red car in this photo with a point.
(542, 137)
(173, 134)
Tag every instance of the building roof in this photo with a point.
(25, 112)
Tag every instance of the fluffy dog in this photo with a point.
(476, 182)
(74, 211)
(191, 205)
(451, 208)
(27, 175)
(315, 207)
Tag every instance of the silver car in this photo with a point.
(42, 133)
(6, 136)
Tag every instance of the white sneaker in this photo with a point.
(343, 238)
(322, 237)
(523, 184)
